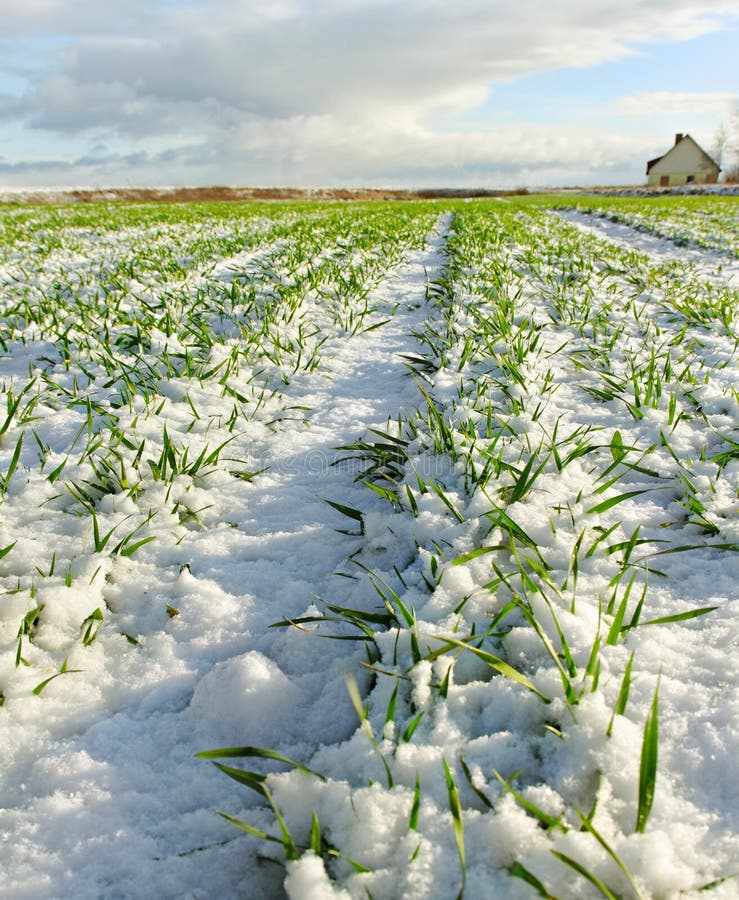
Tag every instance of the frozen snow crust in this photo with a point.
(426, 513)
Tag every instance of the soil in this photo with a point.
(230, 194)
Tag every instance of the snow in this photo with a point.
(102, 794)
(711, 265)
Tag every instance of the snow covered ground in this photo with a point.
(711, 265)
(710, 224)
(547, 423)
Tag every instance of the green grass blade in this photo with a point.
(473, 554)
(413, 724)
(446, 501)
(130, 549)
(518, 870)
(500, 518)
(348, 511)
(355, 697)
(13, 464)
(256, 752)
(648, 764)
(495, 662)
(623, 695)
(544, 818)
(63, 671)
(612, 501)
(678, 617)
(455, 808)
(593, 879)
(415, 806)
(588, 826)
(250, 829)
(716, 882)
(5, 550)
(291, 851)
(315, 834)
(390, 713)
(255, 781)
(468, 775)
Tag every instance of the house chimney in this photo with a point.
(678, 137)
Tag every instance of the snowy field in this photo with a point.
(709, 223)
(427, 513)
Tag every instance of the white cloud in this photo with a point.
(287, 58)
(325, 151)
(319, 91)
(416, 154)
(675, 103)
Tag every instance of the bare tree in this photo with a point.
(718, 146)
(731, 173)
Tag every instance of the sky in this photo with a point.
(381, 93)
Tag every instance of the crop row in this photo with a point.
(572, 444)
(560, 492)
(708, 222)
(138, 365)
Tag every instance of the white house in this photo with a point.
(684, 163)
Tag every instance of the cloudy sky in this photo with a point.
(358, 92)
